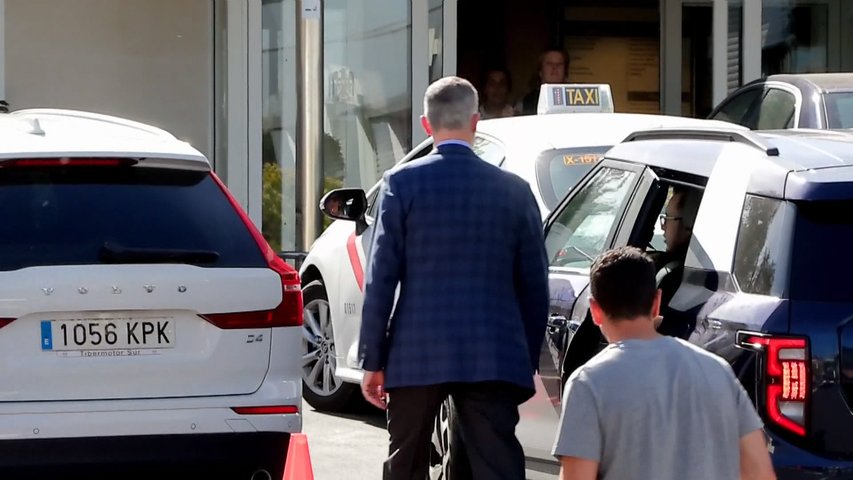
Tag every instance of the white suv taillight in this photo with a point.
(786, 380)
(288, 313)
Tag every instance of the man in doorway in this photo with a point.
(471, 314)
(553, 68)
(621, 417)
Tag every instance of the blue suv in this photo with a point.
(763, 280)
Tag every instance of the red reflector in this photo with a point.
(269, 410)
(69, 162)
(259, 319)
(6, 321)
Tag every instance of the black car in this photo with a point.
(818, 100)
(764, 282)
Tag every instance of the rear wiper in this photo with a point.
(112, 252)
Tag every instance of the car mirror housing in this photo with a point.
(344, 204)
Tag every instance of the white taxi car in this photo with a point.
(144, 321)
(552, 151)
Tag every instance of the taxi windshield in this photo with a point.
(558, 171)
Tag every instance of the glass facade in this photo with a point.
(368, 89)
(278, 124)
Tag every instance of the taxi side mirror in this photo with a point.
(345, 204)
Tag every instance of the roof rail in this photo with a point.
(93, 117)
(745, 137)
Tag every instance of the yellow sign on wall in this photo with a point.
(630, 65)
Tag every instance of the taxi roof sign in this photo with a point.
(575, 98)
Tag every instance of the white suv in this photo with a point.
(144, 320)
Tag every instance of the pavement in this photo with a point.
(348, 446)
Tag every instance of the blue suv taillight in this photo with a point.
(785, 377)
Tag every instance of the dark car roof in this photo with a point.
(804, 155)
(822, 82)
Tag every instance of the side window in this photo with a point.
(763, 244)
(776, 110)
(738, 108)
(583, 228)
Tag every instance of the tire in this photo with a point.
(448, 458)
(320, 388)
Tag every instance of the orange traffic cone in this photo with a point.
(298, 466)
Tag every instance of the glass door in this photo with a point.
(433, 52)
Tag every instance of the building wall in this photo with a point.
(151, 60)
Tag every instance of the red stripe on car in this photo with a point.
(357, 269)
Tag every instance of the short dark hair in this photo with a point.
(622, 281)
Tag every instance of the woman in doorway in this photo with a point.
(494, 95)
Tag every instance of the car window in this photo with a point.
(839, 109)
(582, 230)
(91, 215)
(558, 171)
(763, 243)
(738, 108)
(821, 259)
(776, 110)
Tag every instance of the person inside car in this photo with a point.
(677, 224)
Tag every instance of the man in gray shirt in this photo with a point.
(650, 406)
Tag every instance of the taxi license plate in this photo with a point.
(107, 334)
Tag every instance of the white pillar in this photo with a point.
(309, 121)
(670, 67)
(720, 36)
(254, 112)
(751, 40)
(449, 43)
(420, 65)
(236, 166)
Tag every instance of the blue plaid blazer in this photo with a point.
(463, 239)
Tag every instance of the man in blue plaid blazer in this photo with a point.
(463, 239)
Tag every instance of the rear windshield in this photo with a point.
(558, 171)
(839, 109)
(821, 259)
(92, 215)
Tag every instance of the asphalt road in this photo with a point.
(346, 446)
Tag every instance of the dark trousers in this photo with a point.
(486, 415)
